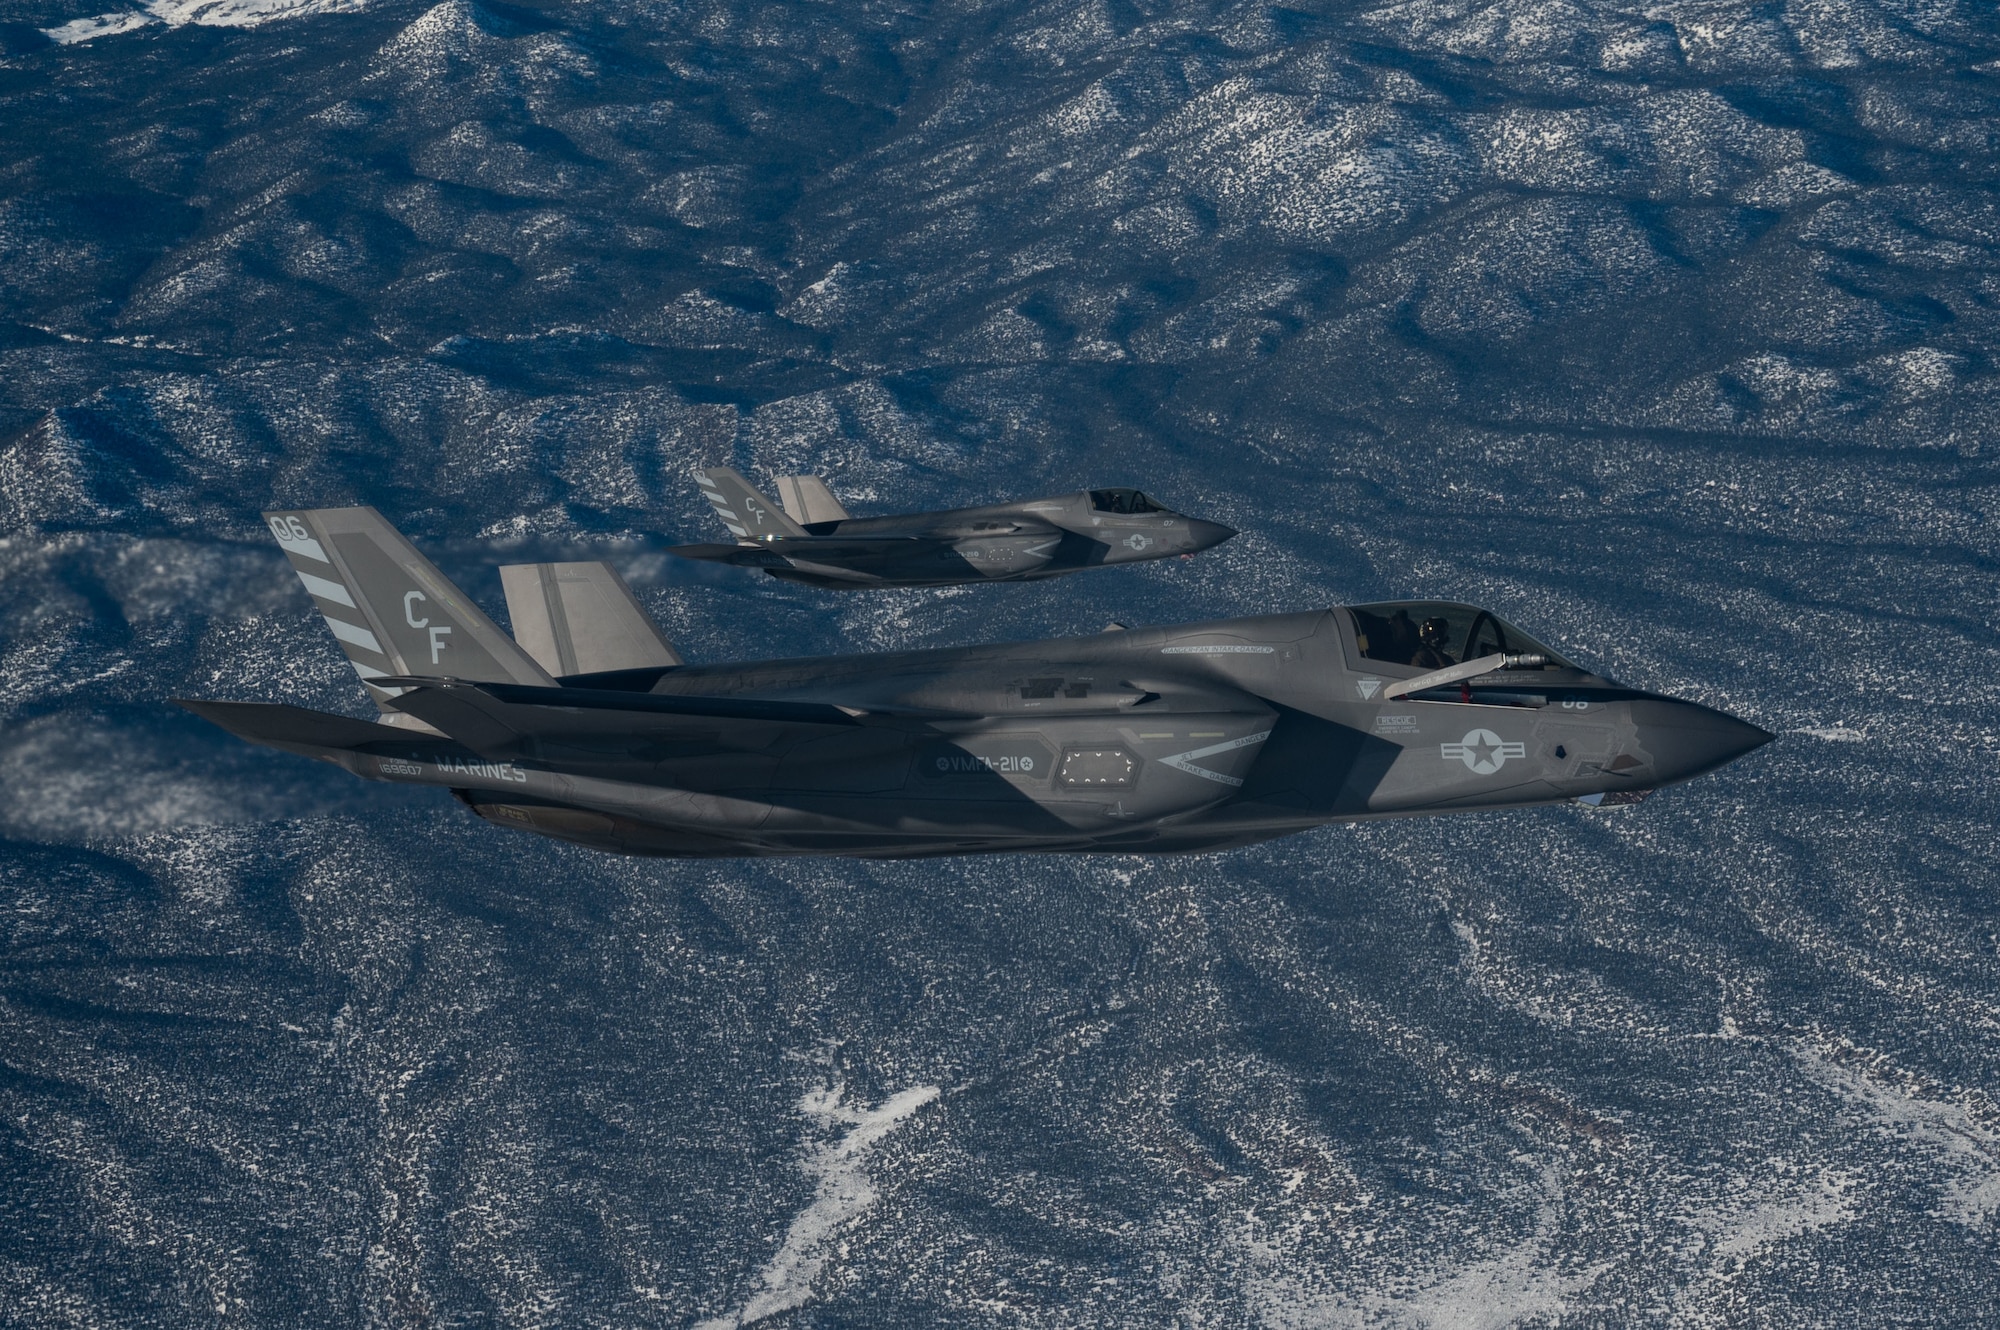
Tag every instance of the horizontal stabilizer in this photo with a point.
(808, 500)
(294, 729)
(581, 618)
(747, 514)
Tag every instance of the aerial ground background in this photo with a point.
(1670, 331)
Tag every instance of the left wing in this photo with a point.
(503, 721)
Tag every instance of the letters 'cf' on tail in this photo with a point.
(749, 516)
(393, 611)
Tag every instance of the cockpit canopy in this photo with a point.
(1436, 634)
(1123, 501)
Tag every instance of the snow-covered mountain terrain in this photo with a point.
(1669, 331)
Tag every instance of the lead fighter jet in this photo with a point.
(588, 727)
(811, 539)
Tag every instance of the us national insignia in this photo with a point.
(1482, 751)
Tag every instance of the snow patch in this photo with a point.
(98, 25)
(1516, 1282)
(1819, 1202)
(1967, 1150)
(844, 1195)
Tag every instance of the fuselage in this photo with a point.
(1192, 737)
(1009, 542)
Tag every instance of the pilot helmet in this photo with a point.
(1434, 633)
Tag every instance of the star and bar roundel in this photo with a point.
(1482, 751)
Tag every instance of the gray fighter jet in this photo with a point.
(588, 727)
(811, 539)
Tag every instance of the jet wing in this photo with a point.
(505, 721)
(779, 553)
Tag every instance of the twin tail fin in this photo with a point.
(581, 618)
(392, 610)
(747, 514)
(808, 500)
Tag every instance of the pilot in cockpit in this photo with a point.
(1395, 638)
(1433, 642)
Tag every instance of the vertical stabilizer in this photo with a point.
(581, 618)
(749, 516)
(808, 500)
(392, 610)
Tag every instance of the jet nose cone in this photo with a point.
(1686, 739)
(1204, 535)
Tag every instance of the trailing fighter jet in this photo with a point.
(587, 726)
(811, 539)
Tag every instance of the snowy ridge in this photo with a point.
(1672, 332)
(209, 13)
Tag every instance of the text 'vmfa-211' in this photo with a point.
(586, 725)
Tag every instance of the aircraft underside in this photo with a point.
(807, 834)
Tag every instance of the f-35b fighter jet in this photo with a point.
(588, 727)
(811, 539)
